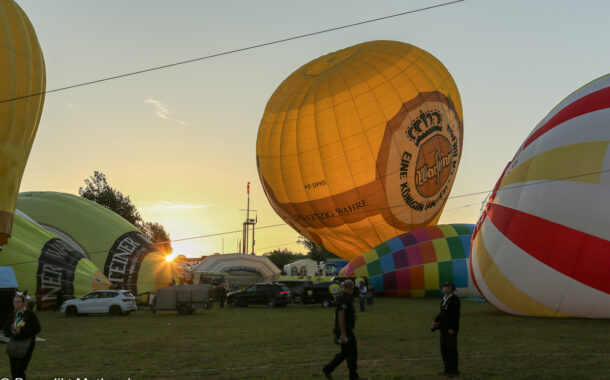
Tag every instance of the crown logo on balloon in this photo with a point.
(424, 125)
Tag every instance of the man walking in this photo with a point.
(345, 321)
(448, 322)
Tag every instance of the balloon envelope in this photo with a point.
(361, 145)
(22, 73)
(47, 266)
(415, 264)
(542, 245)
(128, 258)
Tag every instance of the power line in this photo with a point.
(284, 224)
(533, 183)
(104, 251)
(461, 207)
(219, 233)
(133, 73)
(402, 205)
(279, 245)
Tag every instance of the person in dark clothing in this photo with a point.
(22, 324)
(59, 300)
(345, 323)
(448, 322)
(221, 293)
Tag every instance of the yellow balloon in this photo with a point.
(22, 73)
(361, 145)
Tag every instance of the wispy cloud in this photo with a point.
(176, 206)
(163, 112)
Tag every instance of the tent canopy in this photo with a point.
(305, 267)
(241, 268)
(7, 278)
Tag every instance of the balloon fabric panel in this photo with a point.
(46, 266)
(22, 73)
(418, 262)
(326, 149)
(127, 257)
(541, 245)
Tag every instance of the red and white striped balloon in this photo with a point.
(542, 245)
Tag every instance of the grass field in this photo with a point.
(295, 342)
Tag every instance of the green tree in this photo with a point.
(99, 191)
(157, 234)
(281, 257)
(315, 252)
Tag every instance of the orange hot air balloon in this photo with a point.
(361, 145)
(22, 73)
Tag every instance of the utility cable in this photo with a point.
(533, 183)
(133, 73)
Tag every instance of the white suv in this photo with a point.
(115, 302)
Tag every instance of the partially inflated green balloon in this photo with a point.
(48, 266)
(128, 258)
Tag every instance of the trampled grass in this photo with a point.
(295, 342)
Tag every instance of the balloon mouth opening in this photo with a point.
(170, 257)
(328, 61)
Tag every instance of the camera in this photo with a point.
(434, 328)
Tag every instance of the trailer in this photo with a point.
(185, 299)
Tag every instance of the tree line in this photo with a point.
(99, 191)
(283, 256)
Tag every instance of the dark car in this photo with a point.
(271, 295)
(323, 293)
(296, 289)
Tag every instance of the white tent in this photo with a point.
(305, 267)
(242, 269)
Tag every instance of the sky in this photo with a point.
(181, 142)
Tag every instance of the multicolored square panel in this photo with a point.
(415, 264)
